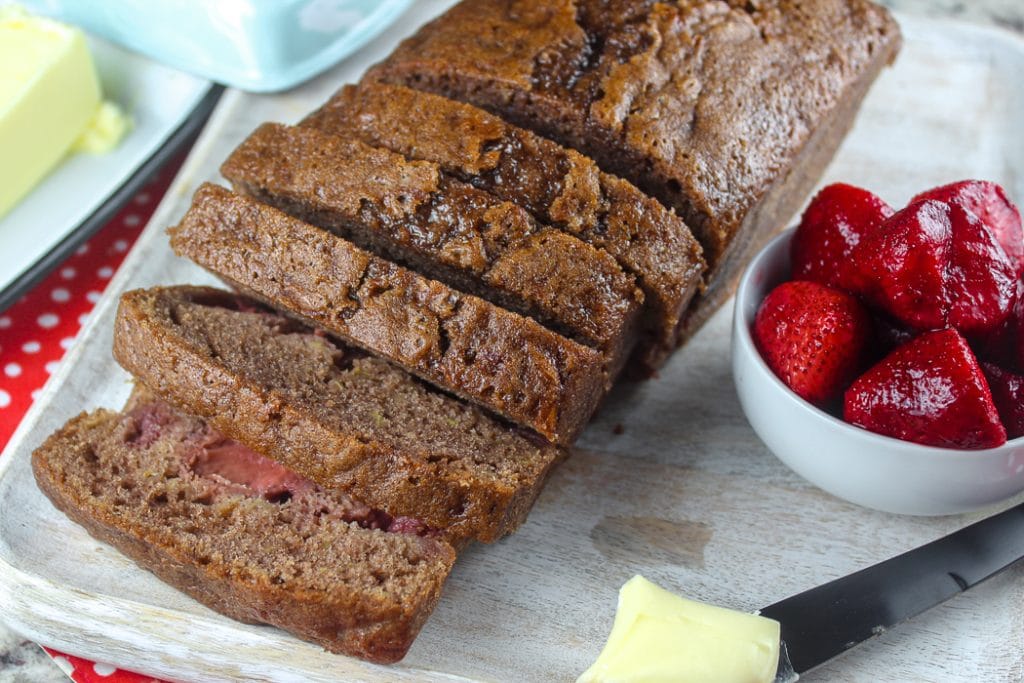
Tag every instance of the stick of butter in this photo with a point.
(658, 636)
(49, 94)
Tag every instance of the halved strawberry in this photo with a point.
(987, 201)
(834, 223)
(929, 391)
(813, 337)
(934, 265)
(1008, 394)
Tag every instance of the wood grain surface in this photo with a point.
(686, 494)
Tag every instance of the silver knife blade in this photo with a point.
(824, 622)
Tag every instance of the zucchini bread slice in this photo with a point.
(340, 418)
(558, 186)
(460, 343)
(410, 212)
(241, 534)
(727, 111)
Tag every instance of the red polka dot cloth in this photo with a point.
(37, 329)
(85, 671)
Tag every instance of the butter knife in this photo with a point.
(824, 622)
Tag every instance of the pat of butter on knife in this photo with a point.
(658, 636)
(49, 97)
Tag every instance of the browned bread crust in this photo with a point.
(412, 213)
(353, 590)
(335, 417)
(725, 111)
(485, 354)
(556, 185)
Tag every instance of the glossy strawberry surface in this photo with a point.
(987, 201)
(813, 337)
(1004, 346)
(1008, 394)
(834, 223)
(934, 265)
(930, 391)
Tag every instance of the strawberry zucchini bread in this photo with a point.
(523, 196)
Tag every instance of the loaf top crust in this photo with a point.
(412, 212)
(703, 104)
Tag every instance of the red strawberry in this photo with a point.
(1008, 394)
(813, 337)
(833, 224)
(1004, 345)
(930, 391)
(934, 265)
(989, 203)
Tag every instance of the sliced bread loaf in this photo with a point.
(726, 111)
(240, 533)
(344, 420)
(558, 186)
(412, 213)
(505, 362)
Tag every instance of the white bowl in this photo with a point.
(865, 468)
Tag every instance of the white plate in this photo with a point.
(158, 99)
(687, 496)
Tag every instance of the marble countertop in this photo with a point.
(23, 662)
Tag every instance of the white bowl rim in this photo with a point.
(868, 437)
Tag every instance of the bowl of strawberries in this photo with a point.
(879, 353)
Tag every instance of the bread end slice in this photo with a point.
(305, 562)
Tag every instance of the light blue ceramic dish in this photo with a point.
(255, 45)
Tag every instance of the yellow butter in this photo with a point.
(660, 637)
(106, 128)
(48, 94)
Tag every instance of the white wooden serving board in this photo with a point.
(687, 496)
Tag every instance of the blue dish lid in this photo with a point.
(254, 45)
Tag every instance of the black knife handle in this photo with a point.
(823, 622)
